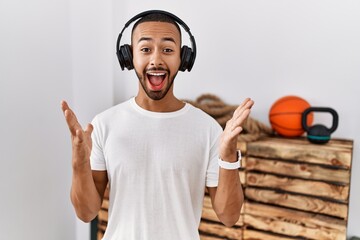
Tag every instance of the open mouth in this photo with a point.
(156, 80)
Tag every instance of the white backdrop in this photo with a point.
(53, 50)
(35, 73)
(50, 50)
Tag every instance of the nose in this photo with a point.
(156, 58)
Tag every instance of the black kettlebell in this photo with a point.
(319, 133)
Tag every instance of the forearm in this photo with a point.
(84, 195)
(229, 197)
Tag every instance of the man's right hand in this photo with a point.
(81, 139)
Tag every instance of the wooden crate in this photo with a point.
(103, 216)
(293, 190)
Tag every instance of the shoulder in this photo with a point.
(113, 112)
(197, 112)
(202, 117)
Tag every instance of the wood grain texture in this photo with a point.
(105, 204)
(207, 237)
(242, 176)
(293, 223)
(102, 227)
(220, 230)
(299, 170)
(250, 234)
(100, 235)
(103, 215)
(330, 154)
(312, 188)
(299, 202)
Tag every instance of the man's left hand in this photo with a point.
(233, 128)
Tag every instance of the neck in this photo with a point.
(167, 104)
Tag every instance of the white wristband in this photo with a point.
(231, 165)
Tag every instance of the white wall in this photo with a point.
(50, 50)
(266, 50)
(35, 75)
(92, 62)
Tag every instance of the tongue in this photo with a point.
(156, 80)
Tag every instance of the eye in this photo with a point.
(145, 50)
(168, 50)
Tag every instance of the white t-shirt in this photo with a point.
(158, 165)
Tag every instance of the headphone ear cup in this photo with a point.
(125, 57)
(187, 60)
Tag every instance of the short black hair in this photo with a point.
(156, 17)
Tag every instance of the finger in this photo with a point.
(72, 121)
(79, 136)
(228, 125)
(247, 103)
(89, 129)
(247, 106)
(231, 136)
(236, 122)
(64, 106)
(241, 119)
(236, 132)
(241, 105)
(239, 115)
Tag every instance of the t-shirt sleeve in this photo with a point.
(97, 159)
(212, 173)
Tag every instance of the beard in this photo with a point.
(155, 95)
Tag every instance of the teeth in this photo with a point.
(156, 74)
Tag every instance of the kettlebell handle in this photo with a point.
(320, 109)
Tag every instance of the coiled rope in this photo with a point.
(222, 112)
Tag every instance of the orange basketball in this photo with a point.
(285, 116)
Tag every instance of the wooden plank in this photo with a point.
(105, 204)
(301, 170)
(293, 223)
(100, 235)
(309, 187)
(220, 230)
(208, 212)
(344, 143)
(250, 234)
(334, 142)
(242, 146)
(102, 226)
(206, 237)
(107, 192)
(301, 150)
(103, 215)
(300, 202)
(242, 176)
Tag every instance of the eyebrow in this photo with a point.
(165, 39)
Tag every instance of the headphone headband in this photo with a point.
(188, 55)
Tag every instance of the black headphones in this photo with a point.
(124, 52)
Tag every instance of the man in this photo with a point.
(156, 152)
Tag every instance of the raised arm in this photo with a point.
(88, 187)
(227, 198)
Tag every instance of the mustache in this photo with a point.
(156, 69)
